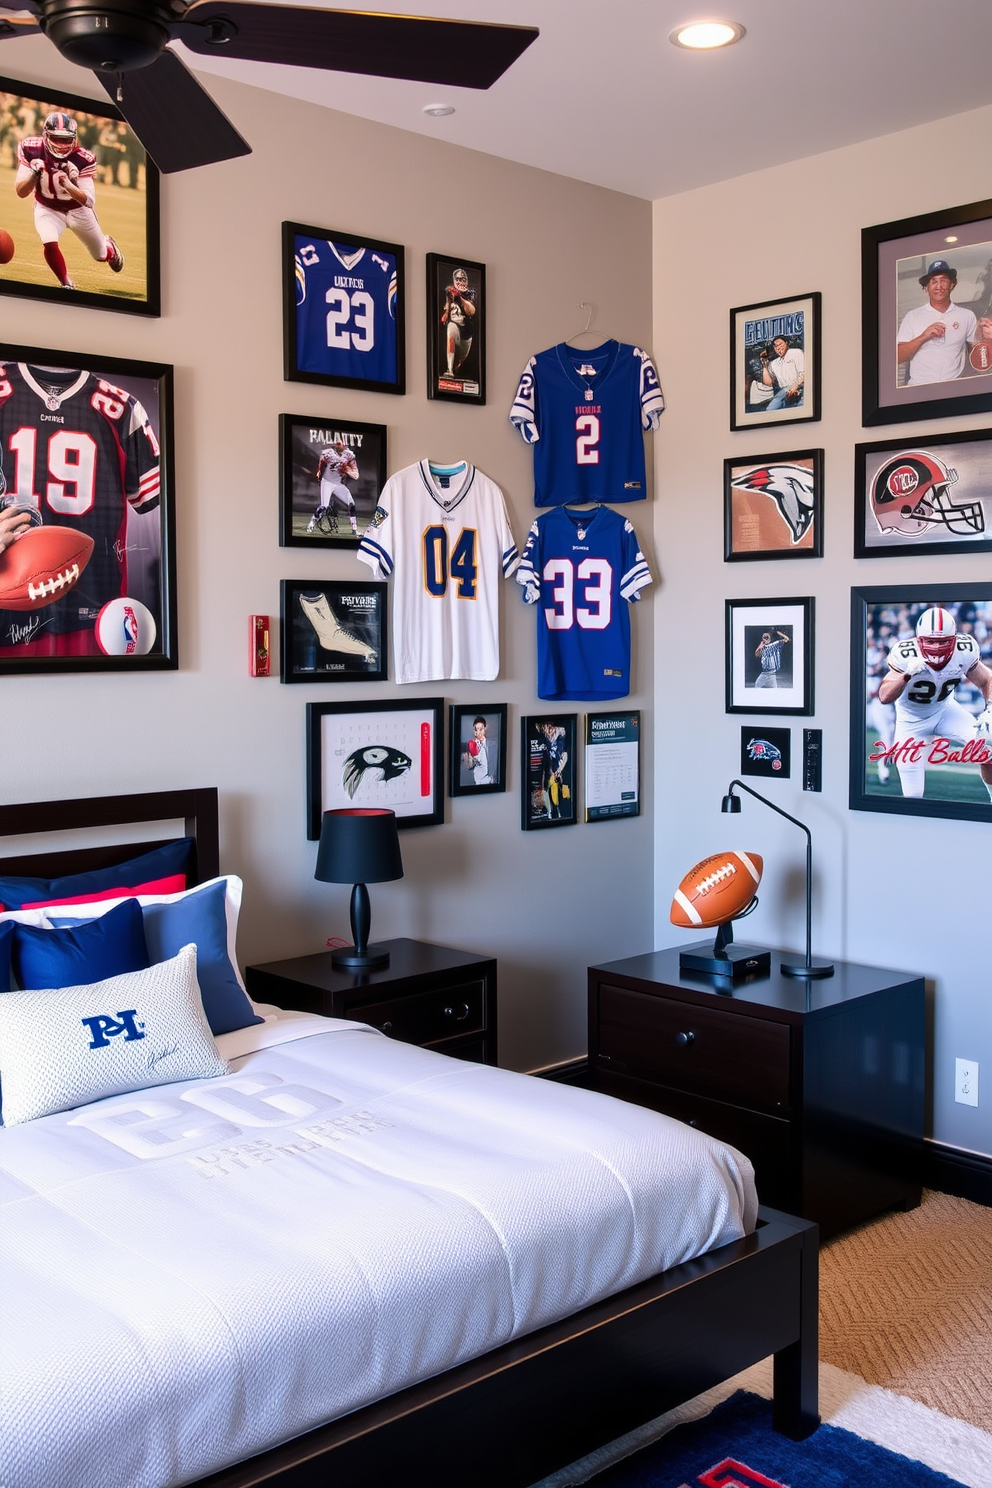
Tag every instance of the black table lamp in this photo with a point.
(359, 846)
(807, 967)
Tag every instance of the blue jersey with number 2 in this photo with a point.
(345, 311)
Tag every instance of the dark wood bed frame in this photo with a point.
(517, 1414)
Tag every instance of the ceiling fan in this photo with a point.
(125, 43)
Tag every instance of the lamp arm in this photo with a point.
(809, 857)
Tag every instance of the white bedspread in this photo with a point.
(191, 1274)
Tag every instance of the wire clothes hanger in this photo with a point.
(585, 331)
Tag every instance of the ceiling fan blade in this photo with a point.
(19, 21)
(468, 54)
(174, 117)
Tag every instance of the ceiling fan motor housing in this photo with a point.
(115, 37)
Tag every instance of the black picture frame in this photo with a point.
(748, 621)
(123, 410)
(766, 752)
(883, 616)
(411, 727)
(548, 789)
(466, 775)
(344, 299)
(127, 208)
(612, 765)
(753, 330)
(305, 520)
(894, 256)
(925, 496)
(317, 613)
(773, 506)
(453, 374)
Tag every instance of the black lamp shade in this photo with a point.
(358, 846)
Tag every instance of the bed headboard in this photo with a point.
(197, 809)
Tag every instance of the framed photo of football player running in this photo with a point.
(775, 362)
(387, 753)
(331, 471)
(921, 684)
(548, 771)
(333, 632)
(80, 218)
(773, 506)
(477, 749)
(928, 496)
(87, 523)
(456, 329)
(769, 660)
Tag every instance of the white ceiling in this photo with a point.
(603, 96)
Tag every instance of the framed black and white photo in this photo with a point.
(86, 474)
(612, 766)
(333, 631)
(769, 660)
(388, 753)
(766, 752)
(477, 749)
(331, 471)
(925, 496)
(920, 733)
(344, 303)
(773, 506)
(456, 329)
(60, 151)
(775, 362)
(547, 772)
(926, 296)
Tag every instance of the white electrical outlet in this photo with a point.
(966, 1082)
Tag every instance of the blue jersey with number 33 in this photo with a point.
(345, 311)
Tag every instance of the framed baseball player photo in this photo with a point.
(79, 203)
(548, 771)
(388, 753)
(775, 362)
(769, 660)
(333, 632)
(344, 303)
(926, 297)
(921, 700)
(773, 506)
(456, 329)
(477, 749)
(925, 496)
(87, 513)
(331, 471)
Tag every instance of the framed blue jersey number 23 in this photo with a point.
(343, 309)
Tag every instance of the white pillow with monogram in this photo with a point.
(62, 1048)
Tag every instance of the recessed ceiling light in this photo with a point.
(951, 239)
(438, 110)
(701, 36)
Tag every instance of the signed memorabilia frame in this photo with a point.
(879, 615)
(350, 324)
(752, 331)
(746, 622)
(907, 494)
(612, 766)
(461, 737)
(129, 216)
(315, 613)
(301, 442)
(151, 533)
(780, 515)
(414, 727)
(893, 256)
(540, 808)
(466, 382)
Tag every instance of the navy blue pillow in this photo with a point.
(80, 954)
(6, 941)
(173, 857)
(201, 916)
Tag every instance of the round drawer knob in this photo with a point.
(686, 1038)
(386, 1027)
(458, 1010)
(693, 1122)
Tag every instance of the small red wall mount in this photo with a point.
(258, 646)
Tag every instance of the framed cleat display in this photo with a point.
(331, 472)
(333, 632)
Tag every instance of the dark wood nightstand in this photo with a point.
(822, 1087)
(430, 995)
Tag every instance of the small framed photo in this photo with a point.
(388, 753)
(612, 766)
(344, 303)
(333, 632)
(928, 496)
(477, 737)
(548, 777)
(83, 154)
(330, 474)
(767, 752)
(773, 506)
(775, 363)
(920, 734)
(926, 305)
(769, 656)
(456, 329)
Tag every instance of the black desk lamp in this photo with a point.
(807, 967)
(359, 846)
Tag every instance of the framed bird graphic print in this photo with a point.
(388, 753)
(772, 506)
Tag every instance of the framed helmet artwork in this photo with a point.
(927, 497)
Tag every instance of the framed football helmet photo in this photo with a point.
(927, 497)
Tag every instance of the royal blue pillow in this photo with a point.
(6, 941)
(79, 954)
(173, 857)
(201, 916)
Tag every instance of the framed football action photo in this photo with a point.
(769, 664)
(80, 217)
(921, 684)
(344, 303)
(87, 524)
(330, 474)
(773, 506)
(926, 496)
(477, 749)
(612, 766)
(775, 362)
(333, 632)
(926, 298)
(388, 753)
(456, 329)
(548, 774)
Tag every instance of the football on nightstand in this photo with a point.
(42, 565)
(716, 890)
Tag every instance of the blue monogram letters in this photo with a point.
(105, 1026)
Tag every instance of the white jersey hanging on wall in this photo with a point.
(442, 532)
(585, 412)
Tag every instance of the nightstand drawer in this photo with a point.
(426, 1017)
